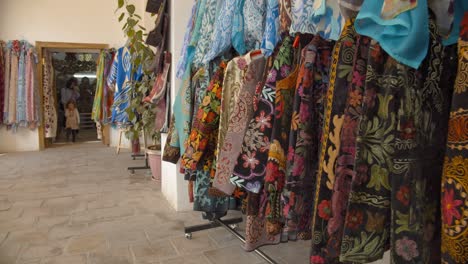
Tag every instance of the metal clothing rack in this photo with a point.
(146, 167)
(230, 225)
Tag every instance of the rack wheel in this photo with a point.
(233, 226)
(188, 236)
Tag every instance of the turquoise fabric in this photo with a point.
(222, 35)
(238, 40)
(461, 6)
(405, 37)
(188, 35)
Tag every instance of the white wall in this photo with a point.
(83, 21)
(173, 185)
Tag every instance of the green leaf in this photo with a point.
(143, 28)
(121, 3)
(131, 9)
(139, 35)
(131, 33)
(138, 16)
(121, 16)
(131, 22)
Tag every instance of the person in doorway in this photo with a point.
(72, 120)
(70, 92)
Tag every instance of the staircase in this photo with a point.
(86, 121)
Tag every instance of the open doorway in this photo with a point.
(75, 82)
(67, 74)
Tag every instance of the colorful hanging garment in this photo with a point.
(254, 23)
(230, 96)
(251, 71)
(454, 16)
(285, 15)
(272, 35)
(2, 81)
(32, 89)
(200, 153)
(96, 114)
(194, 144)
(15, 49)
(21, 89)
(6, 94)
(222, 35)
(196, 32)
(103, 98)
(275, 176)
(238, 25)
(183, 60)
(398, 161)
(199, 85)
(206, 35)
(350, 8)
(171, 154)
(302, 11)
(393, 8)
(455, 177)
(305, 138)
(405, 37)
(340, 77)
(317, 17)
(120, 78)
(250, 170)
(48, 100)
(256, 226)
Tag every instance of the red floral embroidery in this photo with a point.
(263, 120)
(317, 260)
(324, 209)
(408, 131)
(403, 195)
(354, 219)
(449, 207)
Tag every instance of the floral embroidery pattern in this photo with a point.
(454, 196)
(275, 178)
(340, 75)
(240, 104)
(402, 156)
(257, 137)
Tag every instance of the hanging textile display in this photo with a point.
(2, 80)
(329, 121)
(48, 100)
(104, 96)
(455, 177)
(20, 93)
(119, 80)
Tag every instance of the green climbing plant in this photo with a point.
(141, 116)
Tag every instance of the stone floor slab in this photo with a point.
(87, 243)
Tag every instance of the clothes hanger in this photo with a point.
(255, 53)
(296, 42)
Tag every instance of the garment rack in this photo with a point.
(230, 225)
(146, 167)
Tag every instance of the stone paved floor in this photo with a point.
(78, 204)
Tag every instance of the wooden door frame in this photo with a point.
(65, 46)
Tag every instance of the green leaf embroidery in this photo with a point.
(379, 178)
